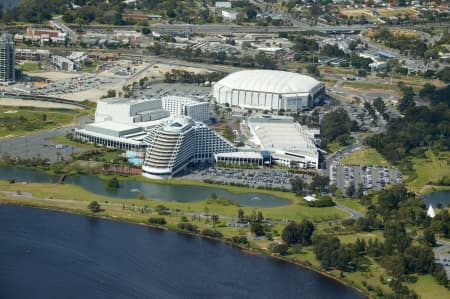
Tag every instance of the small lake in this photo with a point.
(130, 189)
(442, 197)
(47, 254)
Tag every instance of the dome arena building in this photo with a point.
(269, 90)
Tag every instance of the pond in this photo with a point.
(131, 189)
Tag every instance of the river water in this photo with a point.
(47, 254)
(130, 189)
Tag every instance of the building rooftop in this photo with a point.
(269, 81)
(281, 134)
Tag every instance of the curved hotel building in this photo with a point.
(172, 145)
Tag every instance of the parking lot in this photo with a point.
(39, 145)
(370, 177)
(173, 89)
(251, 177)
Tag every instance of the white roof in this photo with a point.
(243, 155)
(281, 134)
(269, 81)
(114, 126)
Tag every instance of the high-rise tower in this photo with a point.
(7, 59)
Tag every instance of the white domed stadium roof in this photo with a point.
(270, 81)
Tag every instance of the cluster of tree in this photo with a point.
(423, 126)
(411, 45)
(336, 126)
(319, 184)
(112, 183)
(211, 233)
(188, 227)
(94, 206)
(359, 62)
(334, 255)
(324, 201)
(31, 162)
(332, 51)
(157, 220)
(303, 44)
(260, 60)
(183, 76)
(295, 233)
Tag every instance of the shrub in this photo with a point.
(211, 233)
(157, 220)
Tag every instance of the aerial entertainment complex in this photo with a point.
(269, 90)
(174, 144)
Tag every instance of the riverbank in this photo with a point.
(244, 249)
(136, 211)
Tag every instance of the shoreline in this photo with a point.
(249, 251)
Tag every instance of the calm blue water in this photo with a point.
(130, 189)
(442, 197)
(46, 254)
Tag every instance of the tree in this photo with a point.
(241, 214)
(428, 237)
(295, 233)
(444, 74)
(335, 125)
(112, 183)
(313, 70)
(298, 186)
(257, 229)
(280, 249)
(94, 207)
(215, 219)
(260, 217)
(350, 190)
(379, 105)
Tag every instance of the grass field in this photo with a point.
(17, 121)
(427, 287)
(334, 147)
(91, 67)
(365, 156)
(371, 86)
(30, 67)
(295, 211)
(352, 204)
(429, 169)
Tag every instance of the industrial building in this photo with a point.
(176, 143)
(268, 90)
(289, 143)
(184, 106)
(7, 59)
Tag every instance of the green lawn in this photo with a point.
(429, 169)
(91, 67)
(334, 147)
(30, 66)
(351, 238)
(295, 211)
(427, 287)
(18, 121)
(365, 156)
(352, 204)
